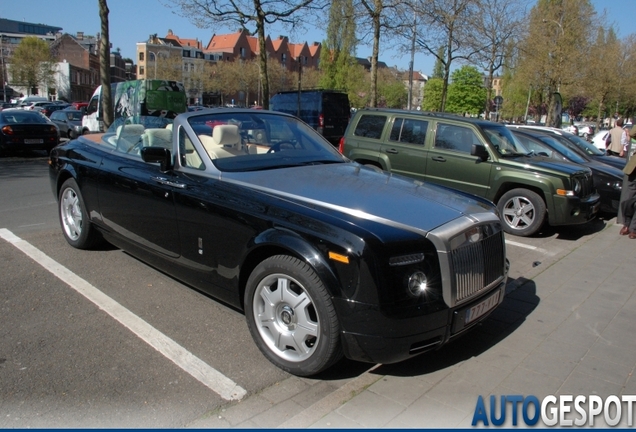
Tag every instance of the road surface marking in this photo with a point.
(521, 245)
(201, 371)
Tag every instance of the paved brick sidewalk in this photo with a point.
(567, 327)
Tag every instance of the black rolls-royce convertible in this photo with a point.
(325, 256)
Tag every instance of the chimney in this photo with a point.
(80, 35)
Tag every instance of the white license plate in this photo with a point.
(480, 309)
(33, 141)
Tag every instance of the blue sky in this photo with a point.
(132, 21)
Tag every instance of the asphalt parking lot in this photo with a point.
(99, 339)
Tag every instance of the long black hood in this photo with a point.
(365, 193)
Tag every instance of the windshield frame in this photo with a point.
(509, 145)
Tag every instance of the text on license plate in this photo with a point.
(33, 141)
(479, 309)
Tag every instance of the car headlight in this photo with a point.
(418, 275)
(576, 189)
(77, 127)
(417, 283)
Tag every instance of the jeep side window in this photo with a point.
(456, 138)
(370, 126)
(409, 131)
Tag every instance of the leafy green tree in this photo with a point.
(466, 94)
(438, 67)
(337, 55)
(556, 49)
(446, 24)
(391, 90)
(432, 99)
(32, 64)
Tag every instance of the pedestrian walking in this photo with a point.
(614, 142)
(628, 193)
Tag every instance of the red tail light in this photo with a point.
(341, 145)
(321, 120)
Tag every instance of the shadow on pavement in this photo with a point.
(575, 232)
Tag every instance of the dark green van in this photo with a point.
(327, 111)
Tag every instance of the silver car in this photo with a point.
(69, 122)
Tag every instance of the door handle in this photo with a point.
(439, 159)
(391, 151)
(165, 181)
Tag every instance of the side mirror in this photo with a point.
(157, 155)
(479, 151)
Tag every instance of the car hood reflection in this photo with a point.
(365, 193)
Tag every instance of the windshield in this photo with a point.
(554, 143)
(249, 140)
(73, 115)
(587, 147)
(21, 116)
(503, 141)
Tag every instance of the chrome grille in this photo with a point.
(477, 265)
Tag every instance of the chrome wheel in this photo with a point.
(286, 317)
(71, 214)
(76, 225)
(519, 212)
(522, 211)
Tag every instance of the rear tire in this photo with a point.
(78, 231)
(522, 212)
(291, 316)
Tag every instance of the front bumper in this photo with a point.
(390, 339)
(574, 211)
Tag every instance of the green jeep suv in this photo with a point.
(475, 156)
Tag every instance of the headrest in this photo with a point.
(130, 129)
(226, 134)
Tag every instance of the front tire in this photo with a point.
(522, 212)
(77, 229)
(291, 316)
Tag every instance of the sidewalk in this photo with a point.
(567, 327)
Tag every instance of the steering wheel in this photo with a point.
(282, 145)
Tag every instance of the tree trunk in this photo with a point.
(104, 66)
(373, 103)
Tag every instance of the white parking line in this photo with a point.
(525, 246)
(207, 375)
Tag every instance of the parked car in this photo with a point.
(577, 143)
(48, 109)
(69, 122)
(475, 156)
(26, 130)
(327, 111)
(5, 105)
(608, 180)
(31, 106)
(586, 130)
(326, 257)
(78, 105)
